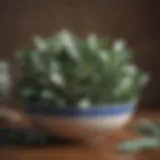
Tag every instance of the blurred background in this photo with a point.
(136, 21)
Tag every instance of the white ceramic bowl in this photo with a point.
(81, 123)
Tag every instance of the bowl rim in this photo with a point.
(101, 110)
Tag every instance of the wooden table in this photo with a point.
(103, 151)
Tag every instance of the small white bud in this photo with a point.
(92, 41)
(124, 85)
(130, 69)
(119, 46)
(57, 79)
(84, 103)
(40, 43)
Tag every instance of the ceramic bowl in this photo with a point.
(80, 123)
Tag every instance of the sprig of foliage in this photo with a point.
(151, 140)
(70, 72)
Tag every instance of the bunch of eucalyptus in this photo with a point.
(66, 71)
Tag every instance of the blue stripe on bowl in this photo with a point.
(104, 110)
